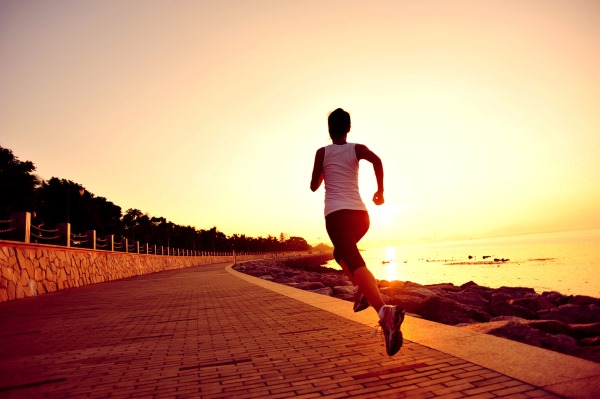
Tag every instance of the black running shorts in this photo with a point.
(345, 228)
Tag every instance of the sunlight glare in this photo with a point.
(390, 254)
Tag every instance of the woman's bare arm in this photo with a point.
(317, 173)
(362, 152)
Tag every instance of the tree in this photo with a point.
(296, 244)
(17, 183)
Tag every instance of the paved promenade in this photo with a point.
(206, 332)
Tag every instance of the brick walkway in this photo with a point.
(202, 332)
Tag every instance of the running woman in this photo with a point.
(347, 220)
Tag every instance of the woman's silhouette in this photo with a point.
(347, 219)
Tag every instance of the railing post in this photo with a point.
(110, 242)
(125, 243)
(91, 239)
(22, 225)
(64, 229)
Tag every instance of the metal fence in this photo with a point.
(19, 228)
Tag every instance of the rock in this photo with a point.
(445, 286)
(516, 292)
(594, 341)
(448, 311)
(420, 292)
(534, 303)
(335, 280)
(585, 330)
(524, 333)
(583, 300)
(283, 280)
(323, 291)
(471, 297)
(310, 285)
(499, 297)
(572, 314)
(550, 326)
(506, 309)
(410, 303)
(556, 298)
(343, 290)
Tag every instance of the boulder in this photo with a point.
(444, 286)
(555, 298)
(420, 292)
(550, 326)
(448, 311)
(585, 330)
(515, 292)
(526, 334)
(310, 285)
(333, 280)
(410, 303)
(500, 308)
(583, 300)
(282, 279)
(594, 341)
(534, 303)
(572, 314)
(469, 296)
(499, 297)
(343, 290)
(323, 291)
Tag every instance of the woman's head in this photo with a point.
(339, 123)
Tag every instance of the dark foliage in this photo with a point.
(58, 201)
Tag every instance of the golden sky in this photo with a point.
(486, 114)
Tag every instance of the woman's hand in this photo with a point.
(378, 198)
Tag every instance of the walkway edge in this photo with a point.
(555, 372)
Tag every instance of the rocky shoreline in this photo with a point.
(563, 323)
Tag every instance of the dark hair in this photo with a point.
(339, 123)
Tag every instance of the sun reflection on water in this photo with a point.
(391, 269)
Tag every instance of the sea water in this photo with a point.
(567, 262)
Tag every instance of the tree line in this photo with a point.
(57, 201)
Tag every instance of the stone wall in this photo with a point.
(33, 269)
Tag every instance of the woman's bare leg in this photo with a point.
(347, 271)
(368, 286)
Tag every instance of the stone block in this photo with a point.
(20, 291)
(40, 288)
(20, 258)
(50, 276)
(62, 278)
(39, 274)
(49, 286)
(24, 278)
(30, 267)
(8, 273)
(11, 289)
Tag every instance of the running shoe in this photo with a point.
(360, 301)
(393, 316)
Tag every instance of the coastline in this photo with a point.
(567, 324)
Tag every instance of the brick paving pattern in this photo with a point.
(204, 333)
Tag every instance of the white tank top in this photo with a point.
(340, 172)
